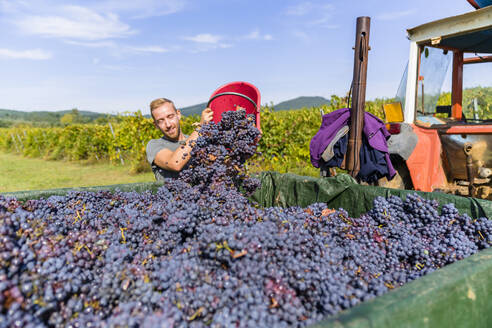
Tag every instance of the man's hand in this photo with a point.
(207, 116)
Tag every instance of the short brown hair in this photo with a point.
(156, 103)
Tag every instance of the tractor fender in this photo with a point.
(404, 143)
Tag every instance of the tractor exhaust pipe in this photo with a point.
(359, 95)
(467, 148)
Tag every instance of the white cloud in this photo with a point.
(323, 19)
(203, 47)
(96, 61)
(119, 49)
(154, 49)
(76, 22)
(143, 8)
(9, 6)
(33, 54)
(132, 9)
(253, 35)
(117, 68)
(95, 44)
(300, 9)
(301, 35)
(315, 13)
(206, 41)
(204, 38)
(256, 35)
(396, 15)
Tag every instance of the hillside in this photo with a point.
(301, 102)
(9, 117)
(193, 110)
(42, 115)
(295, 103)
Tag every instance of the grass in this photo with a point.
(19, 173)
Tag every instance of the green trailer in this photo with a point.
(458, 295)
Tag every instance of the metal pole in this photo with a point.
(359, 95)
(457, 85)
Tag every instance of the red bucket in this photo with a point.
(232, 95)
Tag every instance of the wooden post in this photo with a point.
(359, 95)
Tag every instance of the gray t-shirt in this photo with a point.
(153, 147)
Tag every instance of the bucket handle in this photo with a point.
(234, 94)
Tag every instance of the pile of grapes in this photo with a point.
(198, 254)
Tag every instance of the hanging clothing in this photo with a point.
(330, 149)
(374, 156)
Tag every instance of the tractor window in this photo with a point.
(401, 93)
(477, 91)
(434, 64)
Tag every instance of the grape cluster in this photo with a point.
(220, 153)
(197, 253)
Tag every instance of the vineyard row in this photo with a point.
(284, 145)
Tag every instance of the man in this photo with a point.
(170, 154)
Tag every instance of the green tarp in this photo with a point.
(342, 191)
(458, 295)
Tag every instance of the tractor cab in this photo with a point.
(453, 151)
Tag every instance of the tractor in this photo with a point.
(439, 141)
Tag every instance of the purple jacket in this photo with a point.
(374, 130)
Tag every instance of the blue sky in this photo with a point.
(116, 55)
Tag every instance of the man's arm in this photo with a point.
(176, 160)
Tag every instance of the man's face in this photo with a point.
(166, 119)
